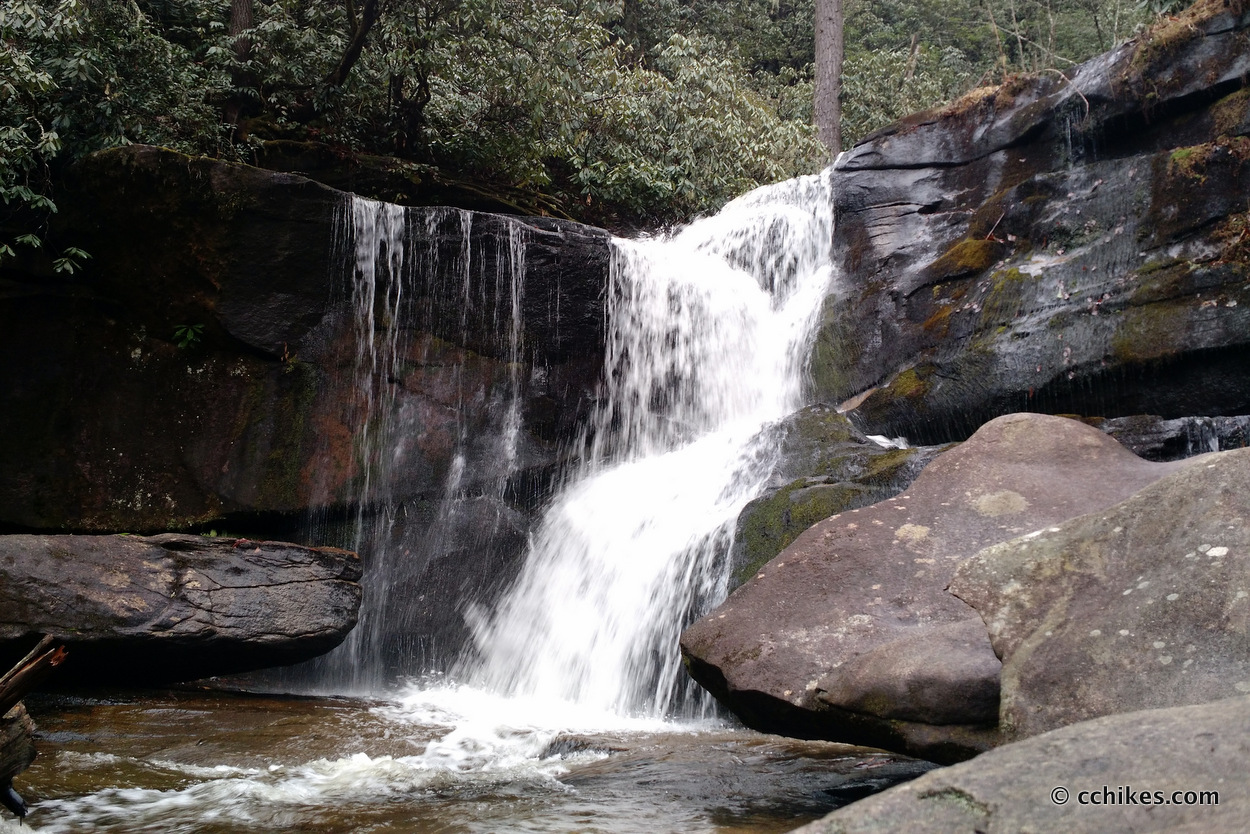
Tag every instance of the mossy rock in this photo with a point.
(1232, 114)
(832, 468)
(1006, 296)
(968, 257)
(768, 525)
(1151, 332)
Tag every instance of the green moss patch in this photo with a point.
(909, 384)
(1231, 114)
(1005, 298)
(771, 524)
(1154, 331)
(968, 257)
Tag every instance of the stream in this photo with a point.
(432, 760)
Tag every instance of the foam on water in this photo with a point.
(484, 743)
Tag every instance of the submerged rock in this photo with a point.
(1144, 604)
(814, 645)
(1114, 774)
(165, 608)
(1070, 245)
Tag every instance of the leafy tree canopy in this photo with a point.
(641, 110)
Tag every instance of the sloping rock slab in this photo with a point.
(1149, 754)
(1144, 605)
(173, 607)
(813, 644)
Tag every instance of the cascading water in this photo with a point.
(706, 350)
(408, 519)
(707, 335)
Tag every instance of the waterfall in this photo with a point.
(708, 334)
(707, 337)
(411, 273)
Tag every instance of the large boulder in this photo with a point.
(830, 639)
(1174, 770)
(136, 609)
(1062, 244)
(1145, 604)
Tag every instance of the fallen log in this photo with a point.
(17, 750)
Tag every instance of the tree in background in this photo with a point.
(829, 55)
(641, 110)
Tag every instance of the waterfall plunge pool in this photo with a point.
(435, 759)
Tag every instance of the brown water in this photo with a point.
(450, 761)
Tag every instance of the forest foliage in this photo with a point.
(650, 110)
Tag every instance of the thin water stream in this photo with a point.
(566, 710)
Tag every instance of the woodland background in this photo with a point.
(638, 113)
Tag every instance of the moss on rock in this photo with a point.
(1151, 332)
(967, 257)
(769, 525)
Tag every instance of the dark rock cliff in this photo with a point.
(111, 425)
(1058, 244)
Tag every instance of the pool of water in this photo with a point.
(430, 760)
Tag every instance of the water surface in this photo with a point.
(436, 760)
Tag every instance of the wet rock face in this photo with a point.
(137, 610)
(1154, 438)
(826, 466)
(1071, 246)
(1196, 748)
(849, 634)
(1143, 605)
(112, 425)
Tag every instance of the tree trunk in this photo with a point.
(241, 20)
(17, 750)
(631, 20)
(368, 16)
(829, 51)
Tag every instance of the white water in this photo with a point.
(482, 743)
(708, 337)
(394, 261)
(708, 334)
